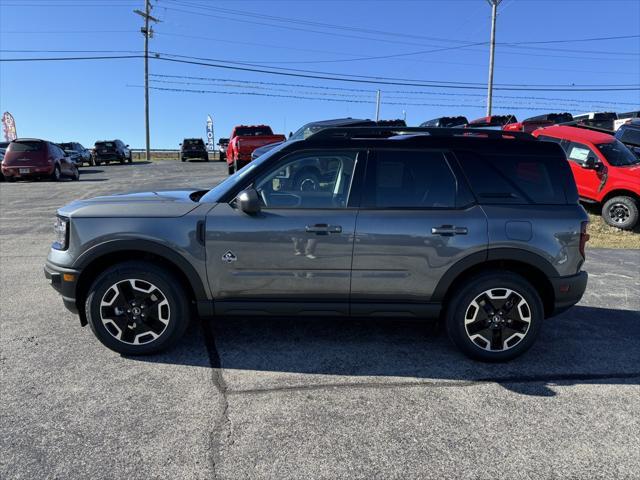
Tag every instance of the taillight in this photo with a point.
(584, 237)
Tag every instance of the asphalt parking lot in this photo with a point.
(289, 398)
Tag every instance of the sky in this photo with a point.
(431, 45)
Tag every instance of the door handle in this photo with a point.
(449, 230)
(323, 229)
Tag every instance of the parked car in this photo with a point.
(35, 158)
(626, 117)
(107, 151)
(629, 134)
(244, 140)
(446, 122)
(2, 152)
(486, 232)
(79, 155)
(193, 148)
(528, 125)
(310, 128)
(494, 122)
(223, 144)
(603, 120)
(606, 172)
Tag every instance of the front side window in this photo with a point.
(308, 180)
(579, 153)
(410, 179)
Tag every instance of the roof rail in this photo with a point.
(579, 124)
(349, 133)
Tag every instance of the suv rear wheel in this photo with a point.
(137, 308)
(621, 212)
(495, 316)
(56, 175)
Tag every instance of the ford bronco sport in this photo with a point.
(480, 228)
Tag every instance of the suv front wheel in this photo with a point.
(137, 308)
(495, 316)
(621, 212)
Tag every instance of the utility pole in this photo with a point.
(148, 33)
(378, 106)
(494, 13)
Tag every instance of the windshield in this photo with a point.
(617, 154)
(67, 146)
(231, 182)
(26, 146)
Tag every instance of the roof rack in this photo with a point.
(579, 124)
(349, 133)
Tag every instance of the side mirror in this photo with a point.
(590, 164)
(248, 201)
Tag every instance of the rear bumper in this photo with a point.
(33, 171)
(64, 281)
(194, 154)
(108, 157)
(568, 291)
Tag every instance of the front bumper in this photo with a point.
(568, 291)
(64, 281)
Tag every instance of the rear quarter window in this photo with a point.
(517, 178)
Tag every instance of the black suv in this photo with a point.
(480, 228)
(191, 148)
(107, 151)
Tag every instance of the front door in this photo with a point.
(417, 219)
(294, 256)
(588, 180)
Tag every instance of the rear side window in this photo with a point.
(26, 146)
(515, 179)
(412, 179)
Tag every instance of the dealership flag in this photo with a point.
(210, 147)
(9, 127)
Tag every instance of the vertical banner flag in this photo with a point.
(9, 127)
(210, 146)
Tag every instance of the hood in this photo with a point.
(163, 204)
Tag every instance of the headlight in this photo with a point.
(61, 229)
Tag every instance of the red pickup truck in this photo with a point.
(607, 173)
(244, 140)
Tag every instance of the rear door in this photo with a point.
(296, 252)
(416, 220)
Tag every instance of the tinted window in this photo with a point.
(308, 180)
(253, 131)
(617, 154)
(515, 179)
(26, 146)
(410, 179)
(104, 144)
(193, 142)
(629, 135)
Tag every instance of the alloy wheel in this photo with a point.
(134, 311)
(498, 319)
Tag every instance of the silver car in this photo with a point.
(480, 229)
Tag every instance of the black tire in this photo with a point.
(176, 308)
(76, 176)
(182, 159)
(231, 170)
(469, 314)
(56, 175)
(621, 212)
(130, 158)
(206, 158)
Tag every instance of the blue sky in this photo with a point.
(91, 100)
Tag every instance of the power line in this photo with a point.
(257, 84)
(342, 77)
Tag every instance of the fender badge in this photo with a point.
(229, 257)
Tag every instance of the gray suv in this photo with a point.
(481, 229)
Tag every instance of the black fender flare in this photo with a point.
(170, 255)
(492, 254)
